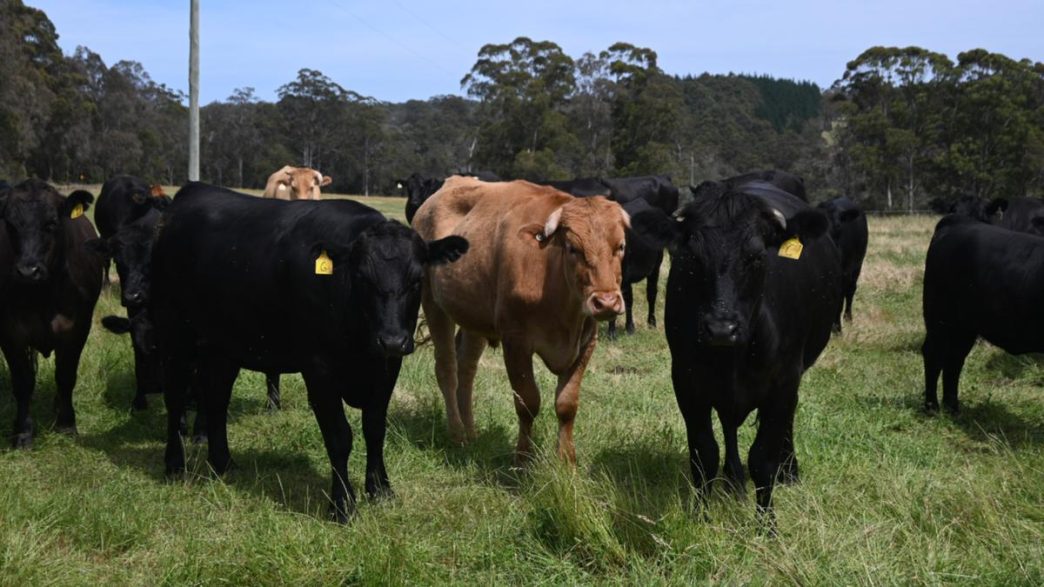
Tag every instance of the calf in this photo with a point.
(979, 280)
(330, 289)
(131, 248)
(849, 232)
(744, 322)
(296, 183)
(49, 283)
(544, 268)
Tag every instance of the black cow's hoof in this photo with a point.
(342, 512)
(380, 493)
(610, 335)
(199, 438)
(174, 473)
(952, 409)
(23, 441)
(68, 430)
(931, 408)
(630, 328)
(788, 475)
(139, 403)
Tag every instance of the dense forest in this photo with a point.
(899, 127)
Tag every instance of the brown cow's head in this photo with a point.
(590, 234)
(303, 183)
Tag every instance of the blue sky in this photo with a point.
(396, 50)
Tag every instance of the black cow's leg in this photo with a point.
(764, 461)
(325, 399)
(958, 347)
(374, 422)
(849, 296)
(703, 449)
(734, 472)
(610, 332)
(21, 362)
(66, 363)
(217, 377)
(932, 352)
(628, 296)
(652, 284)
(788, 462)
(176, 372)
(272, 381)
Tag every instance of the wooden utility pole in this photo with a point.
(193, 169)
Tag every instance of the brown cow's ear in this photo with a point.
(327, 180)
(533, 235)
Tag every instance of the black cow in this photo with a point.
(49, 283)
(787, 182)
(419, 188)
(849, 232)
(658, 190)
(975, 207)
(131, 248)
(1024, 215)
(979, 280)
(123, 199)
(743, 324)
(642, 260)
(330, 289)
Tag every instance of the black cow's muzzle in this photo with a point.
(133, 299)
(31, 272)
(395, 345)
(721, 332)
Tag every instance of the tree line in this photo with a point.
(901, 125)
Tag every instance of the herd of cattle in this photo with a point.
(214, 281)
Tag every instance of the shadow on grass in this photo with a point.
(994, 421)
(1012, 366)
(649, 476)
(491, 454)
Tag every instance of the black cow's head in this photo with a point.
(838, 216)
(418, 189)
(131, 249)
(978, 208)
(36, 215)
(720, 247)
(385, 266)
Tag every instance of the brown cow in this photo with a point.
(296, 183)
(542, 268)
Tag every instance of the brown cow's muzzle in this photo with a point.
(605, 305)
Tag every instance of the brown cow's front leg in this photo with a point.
(441, 328)
(567, 396)
(518, 359)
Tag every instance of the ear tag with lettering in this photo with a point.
(77, 211)
(791, 248)
(323, 264)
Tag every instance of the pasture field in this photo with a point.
(888, 494)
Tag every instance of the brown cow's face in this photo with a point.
(303, 183)
(590, 232)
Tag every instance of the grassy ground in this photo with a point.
(888, 496)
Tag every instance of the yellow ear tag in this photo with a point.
(77, 211)
(323, 264)
(791, 248)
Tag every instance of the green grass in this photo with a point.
(888, 494)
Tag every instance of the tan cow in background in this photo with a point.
(296, 183)
(542, 268)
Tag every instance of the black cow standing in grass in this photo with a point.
(979, 280)
(131, 248)
(330, 289)
(49, 283)
(744, 323)
(849, 232)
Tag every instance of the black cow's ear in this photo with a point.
(140, 198)
(657, 228)
(100, 246)
(445, 250)
(116, 324)
(850, 215)
(996, 205)
(807, 224)
(81, 198)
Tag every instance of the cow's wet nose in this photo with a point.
(605, 305)
(722, 332)
(133, 298)
(32, 271)
(395, 345)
